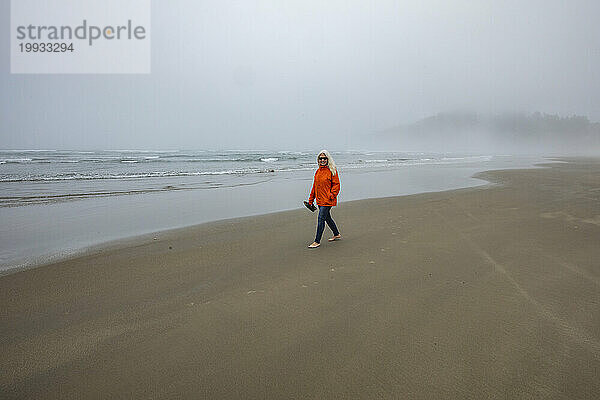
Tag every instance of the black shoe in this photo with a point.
(311, 207)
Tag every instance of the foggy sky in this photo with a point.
(310, 74)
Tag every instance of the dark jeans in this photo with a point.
(325, 216)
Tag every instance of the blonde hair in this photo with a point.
(330, 162)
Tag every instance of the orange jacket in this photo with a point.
(325, 188)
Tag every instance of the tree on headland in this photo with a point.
(508, 131)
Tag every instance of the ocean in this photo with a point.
(55, 203)
(46, 176)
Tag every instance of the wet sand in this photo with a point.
(488, 292)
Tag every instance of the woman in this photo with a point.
(325, 189)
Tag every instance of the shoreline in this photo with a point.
(59, 234)
(477, 292)
(146, 238)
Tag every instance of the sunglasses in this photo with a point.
(322, 158)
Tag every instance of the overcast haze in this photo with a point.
(310, 74)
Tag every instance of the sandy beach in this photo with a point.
(490, 292)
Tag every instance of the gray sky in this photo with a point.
(305, 74)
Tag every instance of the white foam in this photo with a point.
(16, 160)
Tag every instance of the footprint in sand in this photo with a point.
(570, 218)
(595, 220)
